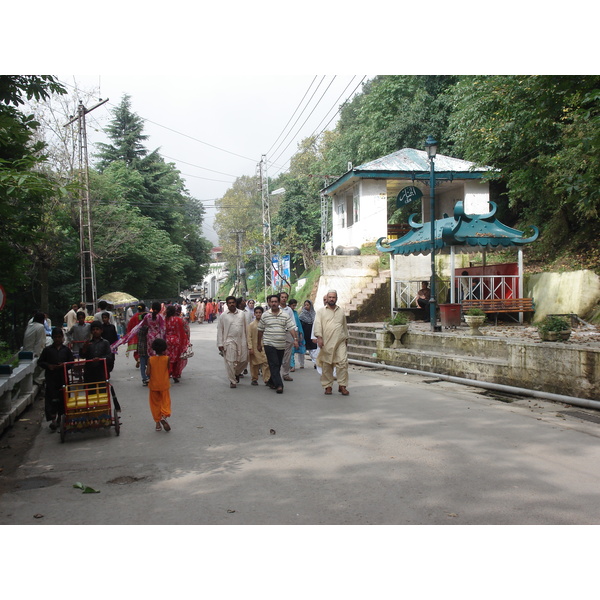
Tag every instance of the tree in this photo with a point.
(542, 133)
(156, 190)
(28, 193)
(126, 133)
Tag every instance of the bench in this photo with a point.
(500, 305)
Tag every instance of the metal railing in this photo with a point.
(467, 287)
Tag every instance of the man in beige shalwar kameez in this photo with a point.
(232, 340)
(331, 331)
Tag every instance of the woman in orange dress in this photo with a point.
(159, 384)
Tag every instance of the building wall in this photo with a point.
(372, 214)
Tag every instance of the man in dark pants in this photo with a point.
(92, 351)
(272, 330)
(51, 360)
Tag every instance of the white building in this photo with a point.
(359, 198)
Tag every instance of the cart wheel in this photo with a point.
(63, 428)
(117, 424)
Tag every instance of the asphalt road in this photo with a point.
(401, 449)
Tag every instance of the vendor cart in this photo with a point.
(87, 404)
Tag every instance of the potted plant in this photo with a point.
(554, 329)
(474, 318)
(397, 326)
(8, 359)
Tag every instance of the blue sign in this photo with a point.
(407, 195)
(281, 270)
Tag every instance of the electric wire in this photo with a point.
(303, 124)
(295, 111)
(305, 107)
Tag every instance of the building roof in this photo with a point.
(410, 163)
(464, 232)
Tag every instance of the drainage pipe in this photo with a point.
(498, 387)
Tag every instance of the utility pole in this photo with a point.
(266, 218)
(86, 246)
(240, 281)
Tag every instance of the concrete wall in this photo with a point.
(551, 367)
(576, 292)
(347, 275)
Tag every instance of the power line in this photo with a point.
(297, 107)
(309, 101)
(310, 114)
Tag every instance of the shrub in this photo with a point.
(475, 312)
(400, 318)
(551, 323)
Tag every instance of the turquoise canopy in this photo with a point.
(462, 230)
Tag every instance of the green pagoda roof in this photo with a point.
(467, 232)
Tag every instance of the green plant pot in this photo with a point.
(555, 336)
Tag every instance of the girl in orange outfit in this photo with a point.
(159, 384)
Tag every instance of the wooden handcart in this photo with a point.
(87, 405)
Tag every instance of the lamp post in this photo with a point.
(431, 147)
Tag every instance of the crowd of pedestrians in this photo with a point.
(270, 341)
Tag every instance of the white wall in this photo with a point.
(477, 197)
(372, 221)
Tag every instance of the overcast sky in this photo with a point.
(216, 127)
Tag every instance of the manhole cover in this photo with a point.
(126, 479)
(34, 483)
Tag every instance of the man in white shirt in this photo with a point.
(71, 317)
(232, 340)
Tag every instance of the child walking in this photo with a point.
(159, 384)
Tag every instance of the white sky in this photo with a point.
(216, 127)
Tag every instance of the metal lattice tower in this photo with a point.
(86, 247)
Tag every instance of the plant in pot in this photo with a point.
(554, 329)
(397, 326)
(8, 360)
(474, 318)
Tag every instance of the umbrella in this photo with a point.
(119, 299)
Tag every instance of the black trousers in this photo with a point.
(275, 358)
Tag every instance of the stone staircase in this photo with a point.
(351, 309)
(362, 343)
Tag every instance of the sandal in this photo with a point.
(166, 426)
(158, 427)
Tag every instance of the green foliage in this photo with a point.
(475, 312)
(553, 323)
(542, 132)
(147, 224)
(400, 318)
(7, 356)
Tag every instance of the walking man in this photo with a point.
(289, 339)
(232, 341)
(257, 360)
(331, 332)
(273, 327)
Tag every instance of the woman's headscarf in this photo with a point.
(307, 316)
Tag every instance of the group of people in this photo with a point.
(270, 340)
(205, 310)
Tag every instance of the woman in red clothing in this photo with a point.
(177, 342)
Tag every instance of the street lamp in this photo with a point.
(431, 147)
